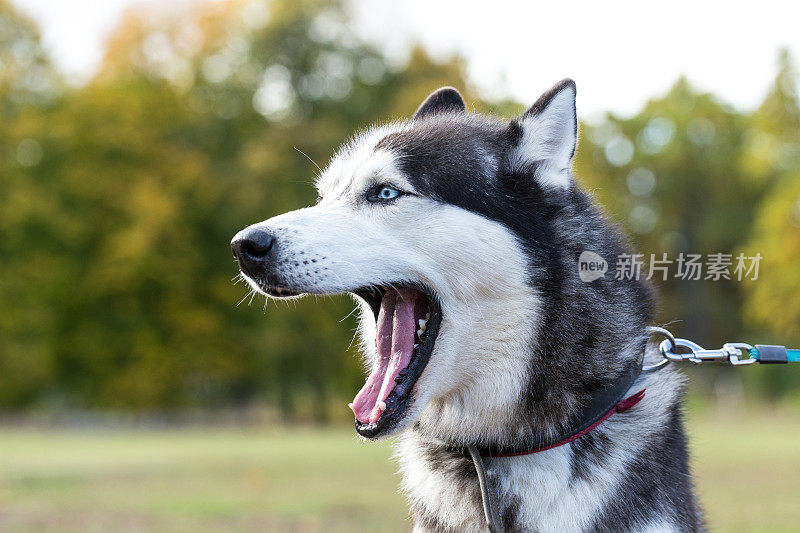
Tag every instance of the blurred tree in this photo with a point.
(772, 141)
(772, 304)
(27, 77)
(28, 86)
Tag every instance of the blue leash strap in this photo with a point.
(773, 354)
(735, 353)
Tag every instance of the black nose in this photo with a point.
(251, 248)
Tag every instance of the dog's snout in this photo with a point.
(251, 248)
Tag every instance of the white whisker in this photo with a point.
(245, 297)
(309, 158)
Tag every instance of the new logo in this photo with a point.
(591, 266)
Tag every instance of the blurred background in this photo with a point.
(141, 390)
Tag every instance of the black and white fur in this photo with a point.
(494, 222)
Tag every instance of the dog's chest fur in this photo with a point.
(629, 474)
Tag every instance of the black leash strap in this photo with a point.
(489, 506)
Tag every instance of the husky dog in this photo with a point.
(459, 235)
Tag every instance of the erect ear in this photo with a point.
(444, 100)
(545, 137)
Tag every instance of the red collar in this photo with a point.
(620, 407)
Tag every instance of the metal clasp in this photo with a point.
(669, 339)
(736, 349)
(672, 349)
(696, 353)
(687, 350)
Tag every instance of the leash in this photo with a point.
(610, 400)
(489, 509)
(734, 353)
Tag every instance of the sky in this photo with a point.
(620, 53)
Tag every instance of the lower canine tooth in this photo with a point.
(350, 405)
(382, 406)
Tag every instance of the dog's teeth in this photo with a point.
(420, 332)
(423, 324)
(350, 405)
(382, 406)
(416, 345)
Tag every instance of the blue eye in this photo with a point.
(388, 193)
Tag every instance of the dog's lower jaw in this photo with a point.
(629, 474)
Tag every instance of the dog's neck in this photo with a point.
(562, 489)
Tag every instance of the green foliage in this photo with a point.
(118, 200)
(772, 303)
(26, 75)
(777, 236)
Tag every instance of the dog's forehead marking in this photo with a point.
(450, 154)
(361, 161)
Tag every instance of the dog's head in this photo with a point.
(440, 227)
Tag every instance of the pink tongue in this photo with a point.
(397, 326)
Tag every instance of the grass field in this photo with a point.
(747, 469)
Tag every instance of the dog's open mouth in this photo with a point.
(408, 321)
